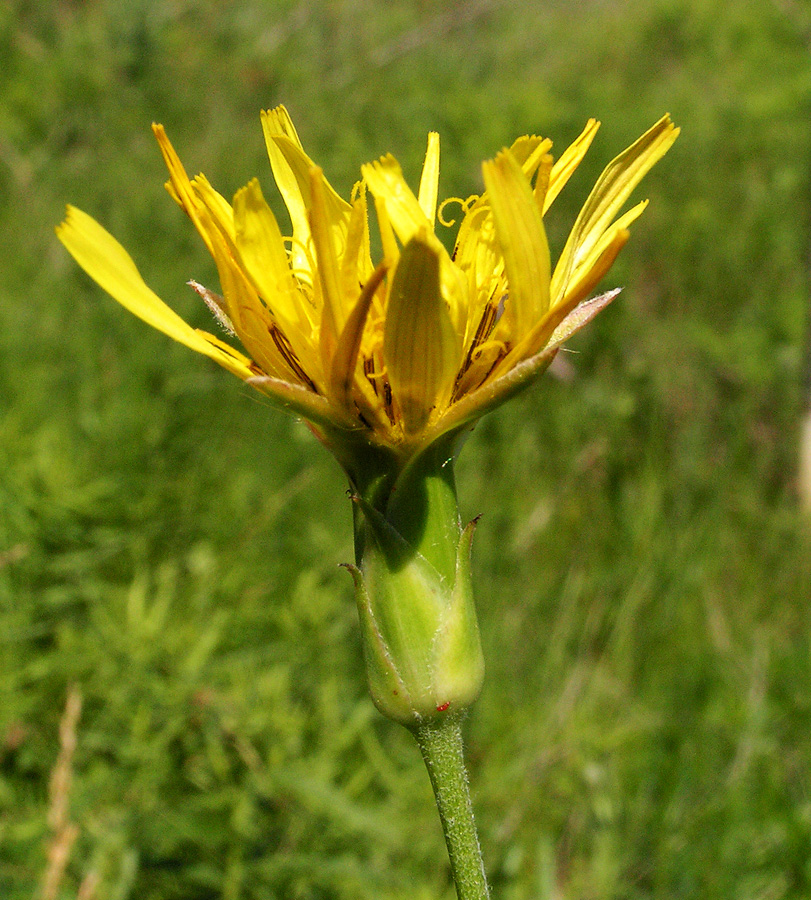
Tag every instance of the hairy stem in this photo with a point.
(441, 746)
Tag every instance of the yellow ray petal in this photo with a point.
(216, 204)
(407, 218)
(291, 169)
(522, 239)
(390, 250)
(585, 279)
(429, 180)
(420, 344)
(256, 326)
(578, 289)
(476, 246)
(613, 187)
(356, 264)
(385, 180)
(262, 255)
(109, 264)
(333, 314)
(276, 124)
(528, 151)
(593, 267)
(230, 352)
(570, 159)
(179, 185)
(476, 251)
(261, 249)
(541, 189)
(478, 258)
(284, 355)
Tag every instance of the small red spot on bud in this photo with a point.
(443, 707)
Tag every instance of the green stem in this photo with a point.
(441, 746)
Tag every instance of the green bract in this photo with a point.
(415, 600)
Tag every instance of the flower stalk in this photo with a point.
(442, 750)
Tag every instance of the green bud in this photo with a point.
(415, 601)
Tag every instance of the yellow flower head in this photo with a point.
(395, 354)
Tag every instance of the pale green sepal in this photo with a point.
(420, 636)
(387, 688)
(423, 507)
(402, 606)
(459, 659)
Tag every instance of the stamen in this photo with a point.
(492, 313)
(380, 383)
(387, 401)
(369, 372)
(289, 356)
(474, 375)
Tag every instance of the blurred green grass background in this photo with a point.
(169, 542)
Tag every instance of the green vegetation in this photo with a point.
(169, 543)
